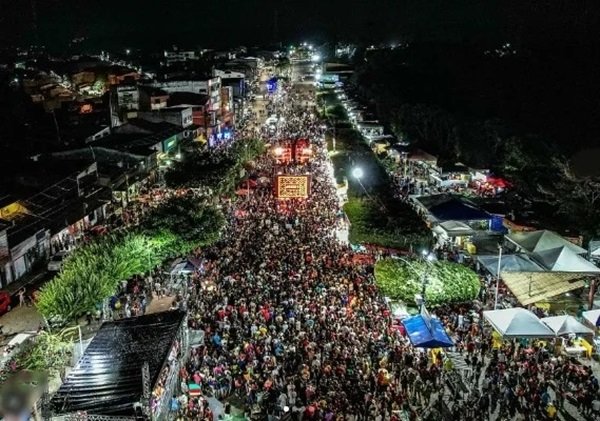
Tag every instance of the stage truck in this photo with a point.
(293, 151)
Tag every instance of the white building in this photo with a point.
(177, 56)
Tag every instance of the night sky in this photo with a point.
(149, 23)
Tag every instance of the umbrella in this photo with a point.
(592, 316)
(566, 325)
(194, 389)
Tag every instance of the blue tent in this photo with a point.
(426, 332)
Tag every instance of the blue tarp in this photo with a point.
(426, 332)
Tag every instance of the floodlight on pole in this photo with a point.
(357, 173)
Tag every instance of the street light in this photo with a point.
(357, 173)
(498, 275)
(428, 257)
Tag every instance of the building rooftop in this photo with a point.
(153, 91)
(187, 98)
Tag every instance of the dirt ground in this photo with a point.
(20, 319)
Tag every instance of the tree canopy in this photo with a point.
(446, 282)
(216, 170)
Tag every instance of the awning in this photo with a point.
(426, 332)
(517, 323)
(566, 325)
(533, 287)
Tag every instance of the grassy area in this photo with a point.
(376, 216)
(397, 226)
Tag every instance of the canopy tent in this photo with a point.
(448, 207)
(189, 265)
(539, 241)
(509, 263)
(426, 332)
(592, 316)
(419, 155)
(453, 229)
(517, 323)
(498, 182)
(533, 287)
(595, 249)
(108, 378)
(566, 325)
(564, 259)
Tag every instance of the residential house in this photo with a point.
(152, 99)
(180, 115)
(117, 75)
(124, 172)
(48, 202)
(4, 252)
(180, 56)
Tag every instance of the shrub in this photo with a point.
(446, 282)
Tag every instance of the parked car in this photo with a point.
(56, 262)
(5, 302)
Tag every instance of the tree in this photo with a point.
(217, 171)
(446, 282)
(187, 218)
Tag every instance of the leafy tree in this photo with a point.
(45, 354)
(218, 171)
(446, 282)
(188, 219)
(92, 273)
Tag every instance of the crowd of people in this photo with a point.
(294, 326)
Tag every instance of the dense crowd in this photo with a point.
(294, 327)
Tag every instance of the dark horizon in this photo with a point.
(133, 23)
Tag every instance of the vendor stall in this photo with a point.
(454, 232)
(517, 323)
(424, 331)
(566, 325)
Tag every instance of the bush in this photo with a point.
(446, 282)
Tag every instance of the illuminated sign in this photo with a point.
(169, 144)
(292, 186)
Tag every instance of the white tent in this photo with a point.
(453, 229)
(517, 323)
(510, 263)
(539, 241)
(564, 259)
(565, 325)
(592, 316)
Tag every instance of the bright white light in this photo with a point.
(128, 51)
(357, 173)
(430, 257)
(278, 150)
(425, 252)
(316, 57)
(178, 156)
